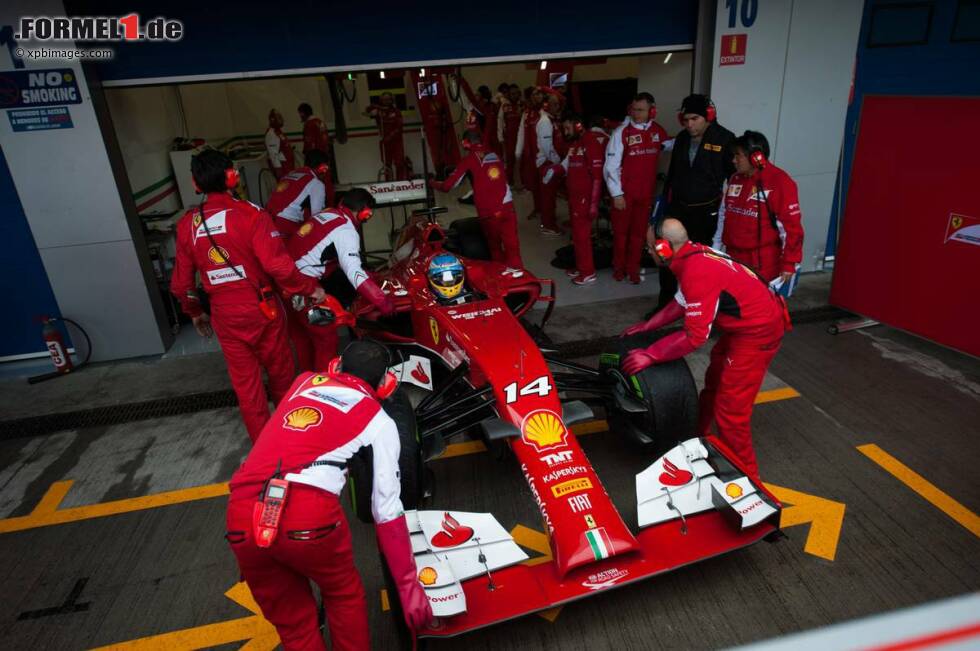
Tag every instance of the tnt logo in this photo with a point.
(579, 503)
(558, 458)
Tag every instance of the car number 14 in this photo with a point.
(538, 387)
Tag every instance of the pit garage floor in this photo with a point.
(112, 533)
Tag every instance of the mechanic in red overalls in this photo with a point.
(301, 193)
(631, 176)
(307, 444)
(715, 291)
(239, 254)
(390, 131)
(582, 168)
(328, 247)
(759, 221)
(483, 116)
(550, 151)
(280, 152)
(492, 196)
(315, 134)
(508, 124)
(526, 148)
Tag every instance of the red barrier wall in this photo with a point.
(909, 252)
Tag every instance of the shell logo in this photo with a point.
(733, 491)
(305, 229)
(427, 576)
(282, 185)
(302, 418)
(494, 172)
(218, 255)
(544, 429)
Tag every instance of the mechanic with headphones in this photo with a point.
(281, 156)
(715, 291)
(391, 128)
(760, 223)
(699, 167)
(301, 193)
(631, 176)
(239, 254)
(328, 247)
(285, 523)
(582, 167)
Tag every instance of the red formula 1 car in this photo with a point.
(475, 370)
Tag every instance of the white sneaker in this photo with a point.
(571, 273)
(584, 280)
(548, 232)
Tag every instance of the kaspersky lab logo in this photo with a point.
(98, 28)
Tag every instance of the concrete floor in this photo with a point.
(160, 569)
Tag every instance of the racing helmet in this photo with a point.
(446, 275)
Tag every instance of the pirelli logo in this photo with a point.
(571, 486)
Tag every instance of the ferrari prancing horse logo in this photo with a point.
(434, 328)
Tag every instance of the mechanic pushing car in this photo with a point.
(328, 247)
(239, 254)
(752, 318)
(296, 530)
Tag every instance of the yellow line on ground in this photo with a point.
(773, 395)
(923, 487)
(47, 513)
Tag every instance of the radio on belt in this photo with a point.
(265, 517)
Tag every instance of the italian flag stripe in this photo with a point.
(597, 541)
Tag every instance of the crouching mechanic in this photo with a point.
(301, 193)
(328, 248)
(239, 254)
(715, 290)
(492, 196)
(300, 464)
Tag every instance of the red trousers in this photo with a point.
(731, 383)
(548, 198)
(764, 261)
(393, 155)
(531, 180)
(315, 345)
(251, 342)
(629, 235)
(501, 233)
(510, 161)
(313, 544)
(578, 208)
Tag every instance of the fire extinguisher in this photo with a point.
(56, 348)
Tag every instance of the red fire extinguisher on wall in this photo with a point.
(55, 344)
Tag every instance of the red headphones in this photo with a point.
(578, 127)
(712, 113)
(383, 391)
(664, 249)
(232, 179)
(322, 169)
(364, 214)
(758, 159)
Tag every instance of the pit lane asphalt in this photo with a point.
(94, 582)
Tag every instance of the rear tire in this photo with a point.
(360, 471)
(465, 238)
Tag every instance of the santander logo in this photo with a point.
(419, 374)
(453, 533)
(674, 476)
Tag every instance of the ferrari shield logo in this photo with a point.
(544, 429)
(305, 229)
(956, 221)
(317, 380)
(197, 220)
(494, 172)
(434, 329)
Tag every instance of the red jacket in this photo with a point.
(511, 115)
(716, 291)
(763, 212)
(583, 165)
(245, 238)
(631, 159)
(290, 193)
(390, 122)
(315, 135)
(490, 189)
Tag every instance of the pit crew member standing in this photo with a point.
(550, 149)
(631, 177)
(526, 147)
(508, 124)
(391, 130)
(238, 252)
(309, 441)
(301, 193)
(280, 152)
(492, 196)
(760, 222)
(699, 167)
(715, 291)
(328, 247)
(315, 134)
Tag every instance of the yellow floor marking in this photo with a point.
(460, 449)
(825, 517)
(772, 395)
(928, 491)
(47, 513)
(259, 633)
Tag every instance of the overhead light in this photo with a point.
(382, 75)
(422, 73)
(544, 65)
(667, 59)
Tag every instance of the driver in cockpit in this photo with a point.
(447, 280)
